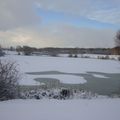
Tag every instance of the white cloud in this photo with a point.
(63, 36)
(18, 21)
(16, 13)
(107, 16)
(99, 10)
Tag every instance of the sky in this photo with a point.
(59, 23)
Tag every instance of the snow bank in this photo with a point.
(95, 109)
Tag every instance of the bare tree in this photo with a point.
(1, 51)
(9, 77)
(117, 39)
(27, 50)
(19, 49)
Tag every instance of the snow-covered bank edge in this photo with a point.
(94, 109)
(62, 94)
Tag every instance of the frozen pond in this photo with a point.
(100, 76)
(101, 83)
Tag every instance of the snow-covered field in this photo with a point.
(61, 64)
(70, 65)
(49, 109)
(83, 109)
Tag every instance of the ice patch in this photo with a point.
(68, 79)
(99, 76)
(29, 80)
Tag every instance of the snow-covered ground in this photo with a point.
(49, 109)
(83, 109)
(69, 65)
(61, 64)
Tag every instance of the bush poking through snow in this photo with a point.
(70, 55)
(118, 58)
(9, 76)
(75, 55)
(60, 94)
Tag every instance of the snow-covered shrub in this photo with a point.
(54, 54)
(65, 94)
(106, 57)
(119, 58)
(58, 94)
(98, 57)
(70, 55)
(112, 58)
(9, 76)
(1, 53)
(83, 94)
(27, 50)
(75, 55)
(85, 56)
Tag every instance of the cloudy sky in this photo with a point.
(59, 23)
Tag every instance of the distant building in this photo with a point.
(116, 50)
